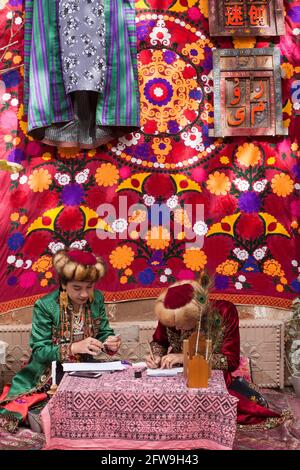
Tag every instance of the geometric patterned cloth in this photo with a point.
(118, 411)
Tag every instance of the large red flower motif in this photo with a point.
(163, 4)
(249, 226)
(222, 205)
(159, 185)
(145, 57)
(189, 72)
(48, 200)
(70, 219)
(18, 199)
(36, 243)
(94, 197)
(150, 127)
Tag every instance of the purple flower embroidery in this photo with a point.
(72, 195)
(15, 241)
(249, 202)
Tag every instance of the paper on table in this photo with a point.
(164, 372)
(139, 364)
(93, 366)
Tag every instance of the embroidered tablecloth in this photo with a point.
(117, 411)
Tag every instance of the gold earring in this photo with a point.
(91, 297)
(63, 299)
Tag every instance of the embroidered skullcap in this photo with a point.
(178, 296)
(83, 257)
(78, 265)
(182, 303)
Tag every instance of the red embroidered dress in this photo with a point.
(227, 358)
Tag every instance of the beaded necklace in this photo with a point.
(74, 323)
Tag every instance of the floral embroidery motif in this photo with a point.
(219, 361)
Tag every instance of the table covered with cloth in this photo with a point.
(120, 412)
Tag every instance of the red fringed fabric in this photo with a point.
(250, 412)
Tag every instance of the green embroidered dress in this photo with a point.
(46, 343)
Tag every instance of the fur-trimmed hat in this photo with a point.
(182, 304)
(78, 265)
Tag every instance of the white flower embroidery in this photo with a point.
(260, 253)
(78, 244)
(160, 34)
(238, 285)
(241, 254)
(62, 178)
(19, 263)
(163, 278)
(200, 228)
(241, 184)
(193, 139)
(11, 259)
(172, 202)
(148, 200)
(259, 186)
(6, 96)
(82, 176)
(119, 225)
(168, 271)
(23, 179)
(54, 247)
(14, 176)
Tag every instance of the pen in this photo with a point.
(126, 363)
(151, 353)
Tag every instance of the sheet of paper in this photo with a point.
(93, 366)
(164, 372)
(139, 364)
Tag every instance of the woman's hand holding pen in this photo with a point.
(153, 362)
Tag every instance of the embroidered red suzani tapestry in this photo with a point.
(166, 201)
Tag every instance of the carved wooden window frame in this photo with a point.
(275, 126)
(217, 26)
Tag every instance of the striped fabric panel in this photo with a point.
(27, 46)
(48, 101)
(61, 101)
(38, 113)
(119, 104)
